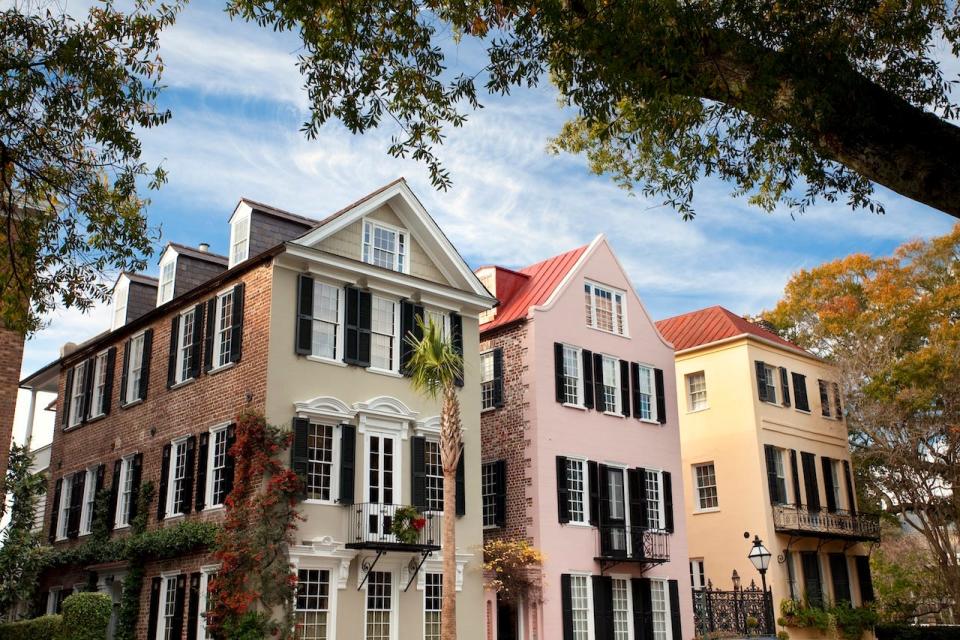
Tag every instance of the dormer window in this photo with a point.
(168, 270)
(385, 246)
(239, 240)
(120, 303)
(605, 308)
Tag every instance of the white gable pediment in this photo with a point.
(325, 407)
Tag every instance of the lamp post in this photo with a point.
(760, 557)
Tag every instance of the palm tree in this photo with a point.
(434, 367)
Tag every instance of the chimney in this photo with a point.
(68, 348)
(204, 246)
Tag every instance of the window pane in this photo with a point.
(576, 488)
(659, 609)
(379, 605)
(571, 375)
(432, 600)
(312, 603)
(224, 328)
(320, 461)
(611, 384)
(489, 493)
(653, 500)
(218, 467)
(486, 380)
(645, 375)
(434, 470)
(382, 327)
(706, 486)
(580, 601)
(697, 391)
(621, 610)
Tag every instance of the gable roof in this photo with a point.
(542, 279)
(713, 324)
(269, 210)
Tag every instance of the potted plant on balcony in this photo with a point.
(407, 525)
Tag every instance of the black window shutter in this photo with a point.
(785, 386)
(770, 453)
(136, 477)
(186, 496)
(230, 462)
(203, 456)
(196, 341)
(55, 511)
(810, 484)
(851, 494)
(408, 323)
(123, 373)
(97, 488)
(78, 481)
(761, 379)
(89, 368)
(155, 586)
(67, 398)
(461, 502)
(800, 391)
(114, 493)
(177, 623)
(236, 324)
(674, 590)
(558, 372)
(603, 607)
(795, 478)
(304, 330)
(365, 315)
(661, 396)
(418, 472)
(172, 359)
(642, 608)
(625, 388)
(164, 472)
(108, 380)
(587, 376)
(498, 377)
(299, 453)
(348, 452)
(864, 578)
(145, 366)
(456, 339)
(638, 516)
(837, 403)
(828, 488)
(193, 608)
(824, 398)
(563, 491)
(635, 382)
(566, 606)
(840, 577)
(594, 484)
(209, 330)
(668, 500)
(598, 381)
(500, 494)
(352, 328)
(813, 586)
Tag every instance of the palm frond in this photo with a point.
(434, 364)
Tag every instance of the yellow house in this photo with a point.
(765, 453)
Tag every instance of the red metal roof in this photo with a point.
(540, 281)
(712, 325)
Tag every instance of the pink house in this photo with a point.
(581, 452)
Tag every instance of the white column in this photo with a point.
(31, 417)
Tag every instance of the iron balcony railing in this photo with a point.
(370, 526)
(633, 544)
(823, 523)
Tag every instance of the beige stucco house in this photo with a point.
(765, 453)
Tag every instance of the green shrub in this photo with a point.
(42, 628)
(910, 632)
(86, 616)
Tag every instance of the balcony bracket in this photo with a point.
(414, 567)
(606, 564)
(782, 557)
(366, 566)
(821, 542)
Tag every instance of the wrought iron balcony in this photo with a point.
(822, 523)
(371, 526)
(619, 543)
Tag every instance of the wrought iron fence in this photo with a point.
(745, 612)
(633, 543)
(371, 526)
(859, 526)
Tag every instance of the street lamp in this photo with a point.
(760, 557)
(736, 580)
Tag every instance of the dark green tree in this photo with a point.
(22, 552)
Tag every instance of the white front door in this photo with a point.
(382, 487)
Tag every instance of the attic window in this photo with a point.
(120, 303)
(239, 240)
(385, 246)
(167, 271)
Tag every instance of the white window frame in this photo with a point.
(52, 597)
(211, 458)
(401, 254)
(698, 578)
(426, 588)
(184, 342)
(667, 619)
(654, 417)
(661, 507)
(837, 492)
(486, 383)
(488, 486)
(76, 394)
(627, 522)
(585, 497)
(121, 293)
(619, 320)
(432, 442)
(89, 499)
(164, 592)
(218, 332)
(331, 599)
(334, 462)
(120, 520)
(697, 487)
(394, 597)
(337, 357)
(693, 404)
(578, 357)
(134, 365)
(625, 578)
(100, 362)
(205, 573)
(167, 279)
(171, 475)
(617, 398)
(66, 493)
(771, 372)
(586, 577)
(395, 343)
(236, 257)
(440, 317)
(780, 466)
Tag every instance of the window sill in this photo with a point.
(134, 403)
(323, 503)
(697, 512)
(321, 359)
(72, 427)
(210, 509)
(384, 372)
(570, 405)
(120, 527)
(96, 418)
(491, 527)
(700, 410)
(223, 367)
(488, 409)
(803, 411)
(613, 414)
(183, 383)
(579, 525)
(649, 421)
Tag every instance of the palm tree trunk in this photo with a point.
(450, 451)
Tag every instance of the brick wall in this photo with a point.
(504, 431)
(11, 356)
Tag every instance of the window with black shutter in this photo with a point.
(837, 403)
(136, 476)
(642, 608)
(776, 481)
(566, 606)
(236, 324)
(559, 373)
(461, 497)
(230, 462)
(864, 578)
(851, 492)
(500, 494)
(635, 389)
(55, 510)
(810, 484)
(588, 391)
(784, 387)
(602, 607)
(840, 578)
(674, 589)
(77, 481)
(208, 335)
(203, 457)
(193, 606)
(299, 452)
(357, 325)
(661, 396)
(107, 398)
(156, 584)
(304, 327)
(456, 340)
(498, 377)
(114, 493)
(418, 472)
(563, 491)
(812, 583)
(800, 391)
(824, 398)
(67, 398)
(348, 452)
(829, 488)
(637, 491)
(625, 388)
(667, 501)
(595, 482)
(145, 364)
(186, 495)
(178, 604)
(174, 348)
(598, 383)
(795, 478)
(164, 482)
(761, 380)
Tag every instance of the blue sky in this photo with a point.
(238, 105)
